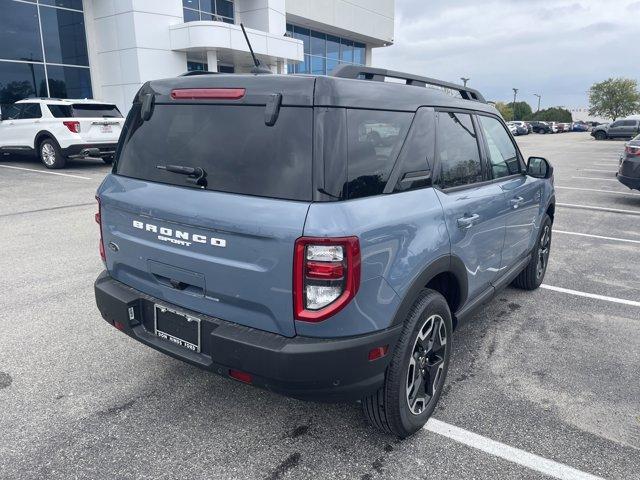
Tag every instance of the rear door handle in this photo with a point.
(467, 222)
(516, 201)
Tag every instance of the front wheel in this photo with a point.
(107, 160)
(51, 155)
(601, 135)
(533, 274)
(417, 370)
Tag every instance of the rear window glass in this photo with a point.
(374, 139)
(90, 110)
(60, 111)
(239, 153)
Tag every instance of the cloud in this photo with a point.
(558, 48)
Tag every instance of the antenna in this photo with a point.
(258, 68)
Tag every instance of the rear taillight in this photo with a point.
(632, 151)
(98, 218)
(207, 93)
(326, 276)
(73, 126)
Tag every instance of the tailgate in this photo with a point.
(225, 255)
(100, 130)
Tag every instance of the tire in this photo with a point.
(600, 135)
(403, 406)
(50, 154)
(533, 274)
(107, 160)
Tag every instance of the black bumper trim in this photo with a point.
(106, 149)
(300, 367)
(632, 183)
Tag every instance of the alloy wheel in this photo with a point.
(48, 154)
(426, 364)
(543, 251)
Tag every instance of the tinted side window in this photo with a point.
(457, 150)
(615, 124)
(374, 140)
(627, 123)
(60, 111)
(11, 112)
(503, 156)
(30, 110)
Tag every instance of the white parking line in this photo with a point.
(511, 454)
(595, 170)
(626, 240)
(600, 191)
(45, 171)
(610, 164)
(596, 178)
(577, 293)
(600, 209)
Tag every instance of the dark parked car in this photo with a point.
(323, 237)
(617, 129)
(541, 127)
(629, 172)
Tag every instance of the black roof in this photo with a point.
(326, 91)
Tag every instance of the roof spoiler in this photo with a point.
(379, 75)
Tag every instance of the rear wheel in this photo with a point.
(600, 135)
(531, 277)
(50, 154)
(417, 371)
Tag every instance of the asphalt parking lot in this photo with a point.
(540, 384)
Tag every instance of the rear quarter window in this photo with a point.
(60, 111)
(374, 139)
(231, 143)
(90, 110)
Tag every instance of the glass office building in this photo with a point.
(324, 52)
(43, 50)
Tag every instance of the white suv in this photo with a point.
(60, 129)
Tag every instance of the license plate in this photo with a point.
(106, 128)
(178, 328)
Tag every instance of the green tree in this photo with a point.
(555, 114)
(522, 110)
(614, 98)
(505, 110)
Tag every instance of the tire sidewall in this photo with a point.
(546, 221)
(435, 304)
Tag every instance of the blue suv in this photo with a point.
(320, 237)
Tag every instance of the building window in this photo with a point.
(198, 62)
(324, 52)
(43, 50)
(218, 10)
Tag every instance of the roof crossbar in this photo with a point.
(380, 75)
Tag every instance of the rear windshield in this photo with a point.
(89, 110)
(238, 151)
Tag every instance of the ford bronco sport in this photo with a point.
(320, 237)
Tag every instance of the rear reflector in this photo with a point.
(241, 376)
(118, 325)
(378, 352)
(208, 93)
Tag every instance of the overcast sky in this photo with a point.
(554, 47)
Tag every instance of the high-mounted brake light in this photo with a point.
(208, 93)
(73, 126)
(326, 276)
(98, 218)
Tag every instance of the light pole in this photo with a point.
(465, 80)
(539, 97)
(515, 95)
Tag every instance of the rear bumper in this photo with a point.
(631, 182)
(300, 367)
(90, 150)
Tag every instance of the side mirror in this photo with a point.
(539, 167)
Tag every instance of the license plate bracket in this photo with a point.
(178, 328)
(106, 129)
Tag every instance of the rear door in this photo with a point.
(474, 208)
(28, 125)
(99, 123)
(224, 249)
(523, 194)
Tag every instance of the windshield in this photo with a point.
(234, 146)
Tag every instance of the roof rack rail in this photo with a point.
(380, 74)
(195, 73)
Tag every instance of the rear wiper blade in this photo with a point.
(196, 175)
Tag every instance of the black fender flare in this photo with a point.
(445, 264)
(40, 136)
